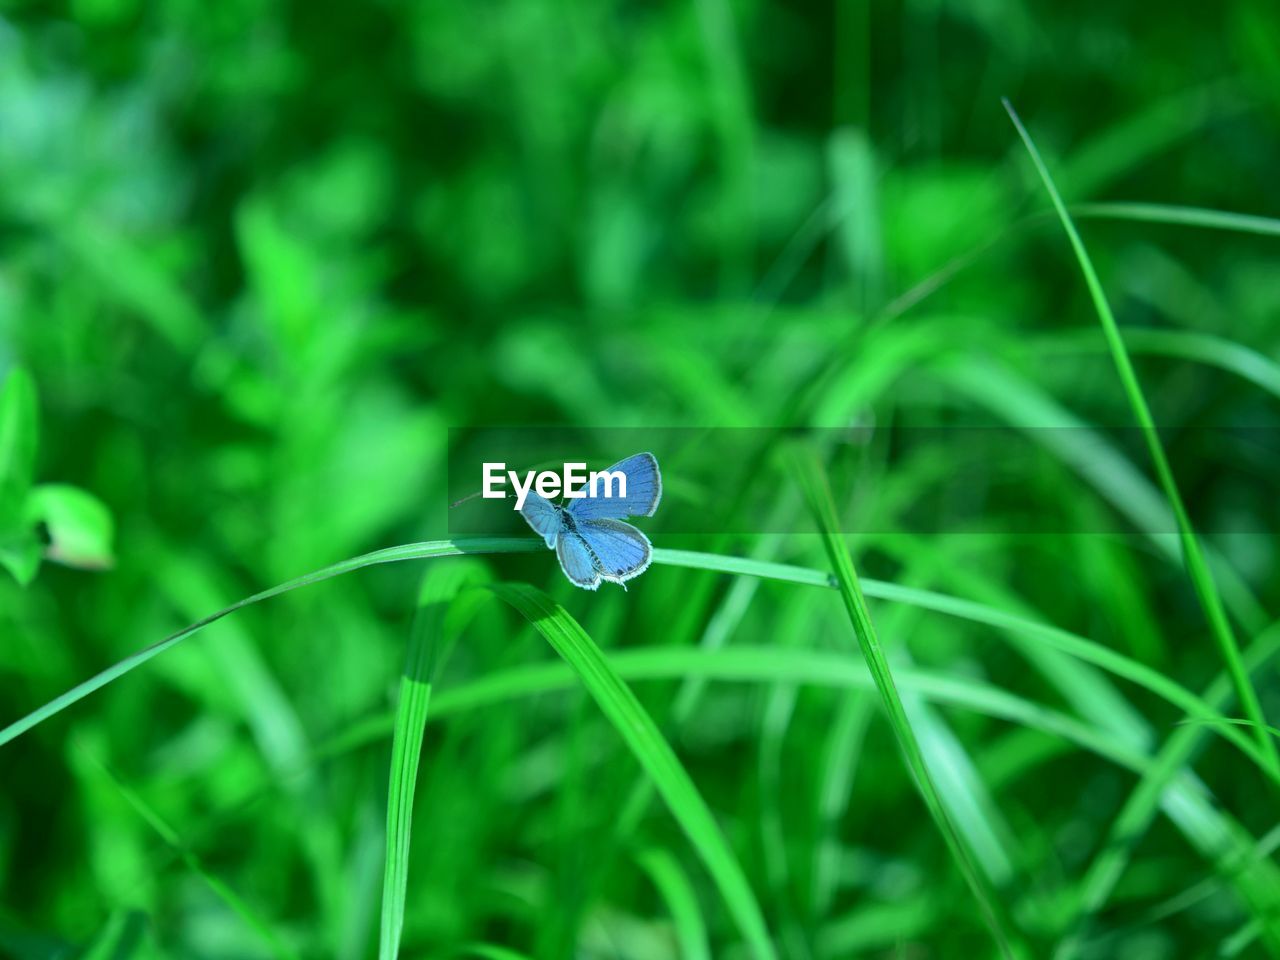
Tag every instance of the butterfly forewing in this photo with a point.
(542, 515)
(644, 491)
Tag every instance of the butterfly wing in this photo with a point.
(541, 514)
(644, 490)
(576, 560)
(620, 550)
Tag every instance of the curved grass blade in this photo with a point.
(1090, 454)
(1183, 799)
(408, 551)
(814, 484)
(951, 606)
(1161, 213)
(678, 894)
(653, 752)
(1181, 216)
(1079, 647)
(439, 586)
(1192, 346)
(1193, 556)
(765, 665)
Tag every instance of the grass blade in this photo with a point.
(1181, 216)
(1183, 799)
(1191, 346)
(1077, 646)
(653, 752)
(1193, 556)
(678, 894)
(819, 495)
(439, 586)
(409, 551)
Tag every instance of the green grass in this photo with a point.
(1193, 554)
(267, 275)
(440, 586)
(819, 495)
(652, 752)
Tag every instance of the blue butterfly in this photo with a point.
(590, 541)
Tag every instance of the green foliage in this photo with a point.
(654, 754)
(809, 475)
(268, 266)
(79, 526)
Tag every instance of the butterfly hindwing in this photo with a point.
(620, 550)
(543, 516)
(644, 491)
(576, 560)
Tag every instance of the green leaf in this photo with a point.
(20, 555)
(651, 749)
(81, 530)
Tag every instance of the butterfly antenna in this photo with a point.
(464, 500)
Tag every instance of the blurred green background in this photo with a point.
(259, 257)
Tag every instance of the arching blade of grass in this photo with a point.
(978, 613)
(814, 483)
(1184, 800)
(1230, 721)
(1193, 556)
(1083, 448)
(1166, 784)
(439, 586)
(678, 894)
(654, 754)
(1190, 345)
(1087, 650)
(1167, 214)
(1180, 216)
(408, 551)
(818, 668)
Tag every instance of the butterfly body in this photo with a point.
(591, 542)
